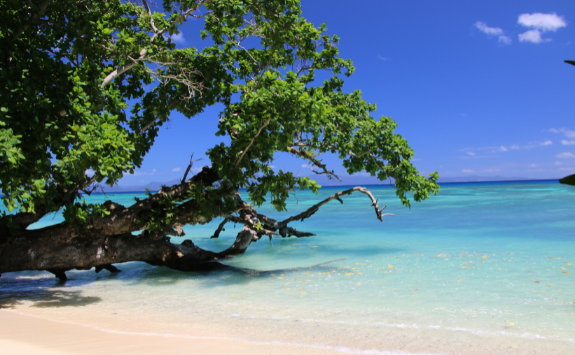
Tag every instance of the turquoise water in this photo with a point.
(489, 265)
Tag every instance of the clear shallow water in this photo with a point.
(489, 266)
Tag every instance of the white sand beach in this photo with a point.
(28, 335)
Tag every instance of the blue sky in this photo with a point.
(477, 87)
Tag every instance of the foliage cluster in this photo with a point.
(86, 85)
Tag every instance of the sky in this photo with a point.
(478, 88)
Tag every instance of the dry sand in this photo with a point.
(22, 334)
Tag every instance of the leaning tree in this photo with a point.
(85, 86)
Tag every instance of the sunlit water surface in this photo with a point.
(480, 268)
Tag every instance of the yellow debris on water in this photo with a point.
(390, 266)
(348, 273)
(315, 246)
(511, 323)
(272, 274)
(484, 256)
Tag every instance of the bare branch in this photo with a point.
(312, 210)
(220, 228)
(330, 174)
(189, 167)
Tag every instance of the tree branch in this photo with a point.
(330, 174)
(220, 229)
(251, 142)
(312, 210)
(41, 8)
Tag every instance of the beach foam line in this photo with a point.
(312, 348)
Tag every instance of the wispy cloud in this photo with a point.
(176, 169)
(493, 31)
(565, 155)
(383, 58)
(565, 131)
(539, 23)
(468, 171)
(566, 142)
(506, 148)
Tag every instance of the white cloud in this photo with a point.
(544, 22)
(546, 143)
(382, 58)
(532, 165)
(564, 169)
(566, 155)
(566, 131)
(178, 38)
(558, 163)
(305, 166)
(493, 31)
(533, 36)
(468, 171)
(566, 142)
(471, 153)
(540, 23)
(504, 40)
(272, 166)
(503, 149)
(176, 169)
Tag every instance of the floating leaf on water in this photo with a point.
(415, 255)
(511, 323)
(349, 273)
(484, 256)
(565, 272)
(272, 274)
(390, 266)
(410, 270)
(295, 244)
(314, 246)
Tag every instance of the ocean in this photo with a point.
(483, 268)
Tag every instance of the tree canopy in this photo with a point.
(87, 85)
